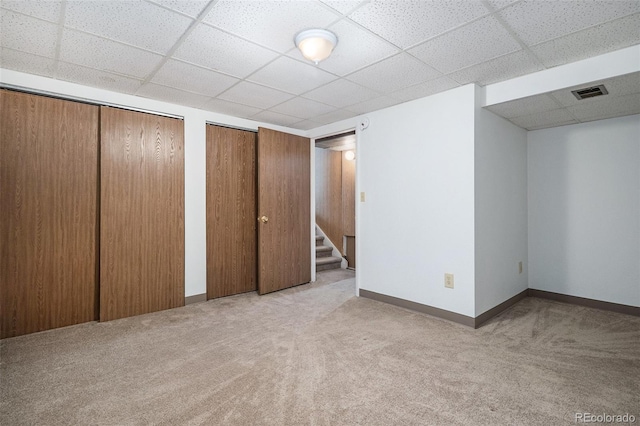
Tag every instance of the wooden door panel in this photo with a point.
(329, 199)
(348, 196)
(284, 242)
(231, 211)
(48, 220)
(142, 213)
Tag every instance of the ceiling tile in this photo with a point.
(591, 42)
(26, 34)
(95, 78)
(106, 55)
(499, 69)
(275, 118)
(394, 73)
(278, 74)
(255, 95)
(169, 94)
(230, 108)
(48, 10)
(356, 48)
(341, 93)
(471, 44)
(332, 117)
(406, 23)
(188, 7)
(306, 125)
(302, 108)
(537, 21)
(607, 108)
(373, 105)
(525, 106)
(136, 23)
(425, 89)
(547, 126)
(617, 86)
(544, 119)
(499, 4)
(220, 51)
(344, 6)
(192, 78)
(273, 24)
(26, 62)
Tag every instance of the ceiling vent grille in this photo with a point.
(590, 92)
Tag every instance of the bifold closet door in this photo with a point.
(48, 218)
(284, 210)
(231, 211)
(141, 213)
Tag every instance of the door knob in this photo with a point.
(263, 219)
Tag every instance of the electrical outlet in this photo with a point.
(520, 267)
(448, 280)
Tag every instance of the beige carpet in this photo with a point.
(317, 355)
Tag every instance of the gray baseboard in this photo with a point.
(486, 316)
(419, 307)
(583, 301)
(195, 298)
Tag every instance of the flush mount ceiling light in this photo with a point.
(316, 44)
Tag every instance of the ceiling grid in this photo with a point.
(238, 57)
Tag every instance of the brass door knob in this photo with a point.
(263, 219)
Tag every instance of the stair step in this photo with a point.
(323, 251)
(325, 263)
(319, 240)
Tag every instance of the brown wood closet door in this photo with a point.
(231, 211)
(48, 219)
(142, 213)
(284, 240)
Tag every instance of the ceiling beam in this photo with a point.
(613, 64)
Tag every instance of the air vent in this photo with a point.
(590, 92)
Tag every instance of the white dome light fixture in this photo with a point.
(316, 44)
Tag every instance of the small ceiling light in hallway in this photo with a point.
(316, 44)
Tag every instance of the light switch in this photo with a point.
(362, 197)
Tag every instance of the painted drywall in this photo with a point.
(584, 210)
(194, 151)
(500, 210)
(415, 163)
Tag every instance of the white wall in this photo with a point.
(194, 161)
(500, 210)
(584, 210)
(416, 166)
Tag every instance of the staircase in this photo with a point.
(324, 260)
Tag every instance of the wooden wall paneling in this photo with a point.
(142, 213)
(231, 211)
(348, 196)
(284, 242)
(329, 194)
(48, 194)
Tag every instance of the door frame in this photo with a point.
(358, 160)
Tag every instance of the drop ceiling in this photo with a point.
(238, 57)
(561, 107)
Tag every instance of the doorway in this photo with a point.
(335, 201)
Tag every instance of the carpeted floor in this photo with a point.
(317, 355)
